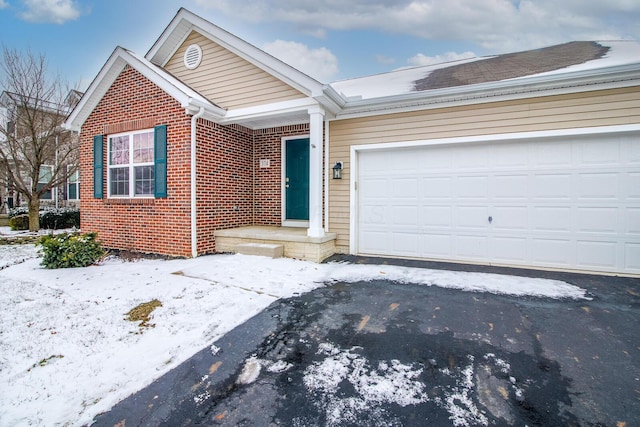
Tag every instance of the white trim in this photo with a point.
(130, 166)
(615, 77)
(355, 149)
(263, 111)
(193, 181)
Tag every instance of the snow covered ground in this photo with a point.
(67, 351)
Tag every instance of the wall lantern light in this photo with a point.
(337, 170)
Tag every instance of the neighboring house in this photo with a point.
(530, 159)
(12, 107)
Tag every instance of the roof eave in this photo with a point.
(534, 86)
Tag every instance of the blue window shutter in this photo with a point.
(98, 167)
(160, 161)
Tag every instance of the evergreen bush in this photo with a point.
(19, 222)
(70, 250)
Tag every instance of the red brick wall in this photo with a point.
(232, 189)
(224, 180)
(268, 181)
(145, 225)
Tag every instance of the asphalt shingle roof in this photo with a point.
(512, 65)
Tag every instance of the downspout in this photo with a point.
(194, 234)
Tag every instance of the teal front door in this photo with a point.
(296, 181)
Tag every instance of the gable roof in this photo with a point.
(188, 98)
(185, 22)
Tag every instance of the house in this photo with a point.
(208, 144)
(30, 136)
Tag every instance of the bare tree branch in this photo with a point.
(35, 105)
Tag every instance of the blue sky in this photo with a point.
(328, 39)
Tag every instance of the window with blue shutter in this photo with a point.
(98, 167)
(160, 161)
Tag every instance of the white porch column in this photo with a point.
(316, 126)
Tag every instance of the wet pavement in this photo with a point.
(386, 354)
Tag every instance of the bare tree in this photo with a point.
(36, 152)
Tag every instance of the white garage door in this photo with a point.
(569, 203)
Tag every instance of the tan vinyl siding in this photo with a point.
(226, 79)
(589, 109)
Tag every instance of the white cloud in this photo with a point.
(495, 25)
(3, 4)
(319, 63)
(421, 59)
(383, 59)
(53, 11)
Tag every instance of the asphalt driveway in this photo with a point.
(387, 354)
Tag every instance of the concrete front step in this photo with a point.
(262, 249)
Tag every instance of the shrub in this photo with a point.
(56, 219)
(19, 222)
(70, 250)
(22, 210)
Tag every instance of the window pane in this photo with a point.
(119, 181)
(45, 174)
(119, 150)
(144, 180)
(143, 147)
(74, 177)
(72, 192)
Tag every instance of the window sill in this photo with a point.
(131, 201)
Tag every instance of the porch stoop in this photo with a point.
(262, 249)
(294, 241)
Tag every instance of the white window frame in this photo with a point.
(131, 165)
(76, 182)
(51, 190)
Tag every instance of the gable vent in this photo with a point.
(192, 56)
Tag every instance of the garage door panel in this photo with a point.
(596, 254)
(433, 245)
(549, 186)
(471, 158)
(371, 189)
(472, 217)
(598, 220)
(632, 221)
(471, 247)
(632, 187)
(405, 215)
(509, 218)
(436, 216)
(435, 187)
(374, 215)
(598, 152)
(556, 154)
(553, 252)
(603, 186)
(632, 257)
(551, 218)
(509, 249)
(564, 202)
(510, 156)
(471, 187)
(510, 187)
(404, 188)
(406, 243)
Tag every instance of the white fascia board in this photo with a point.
(185, 21)
(96, 90)
(110, 71)
(268, 110)
(520, 88)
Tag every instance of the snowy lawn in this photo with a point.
(67, 351)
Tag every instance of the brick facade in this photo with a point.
(232, 189)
